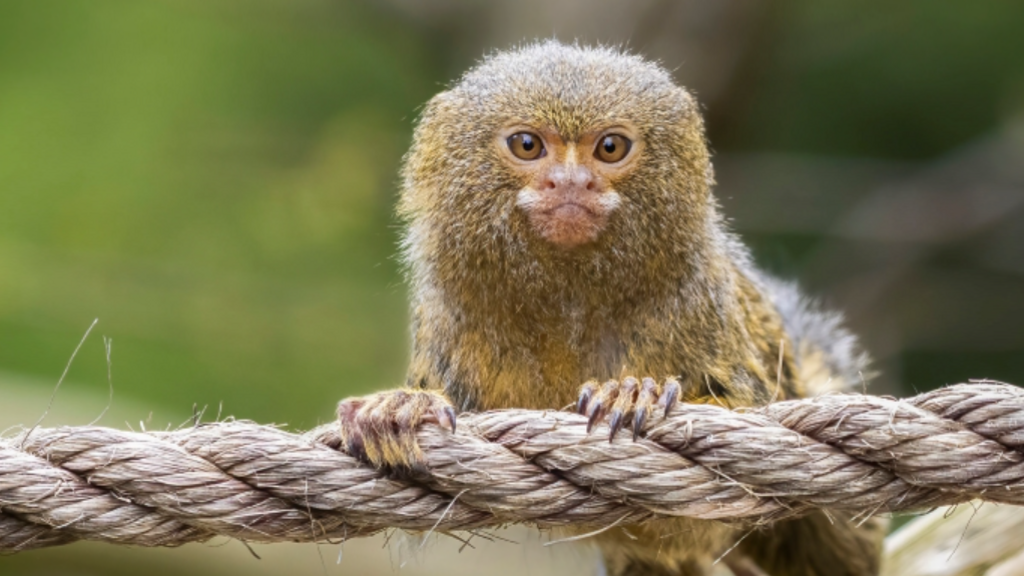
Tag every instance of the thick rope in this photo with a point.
(856, 454)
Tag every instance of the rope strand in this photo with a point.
(853, 453)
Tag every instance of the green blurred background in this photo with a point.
(214, 181)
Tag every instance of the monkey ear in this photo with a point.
(689, 100)
(436, 105)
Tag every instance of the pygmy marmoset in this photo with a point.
(564, 247)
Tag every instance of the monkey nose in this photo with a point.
(562, 177)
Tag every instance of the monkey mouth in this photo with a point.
(567, 221)
(569, 224)
(570, 210)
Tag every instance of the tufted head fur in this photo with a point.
(468, 231)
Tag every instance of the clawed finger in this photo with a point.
(446, 417)
(644, 402)
(624, 404)
(599, 406)
(669, 394)
(586, 394)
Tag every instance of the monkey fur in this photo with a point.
(615, 287)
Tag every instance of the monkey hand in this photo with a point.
(381, 428)
(618, 400)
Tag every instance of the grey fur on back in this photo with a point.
(818, 335)
(811, 329)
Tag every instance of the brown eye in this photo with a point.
(612, 148)
(525, 146)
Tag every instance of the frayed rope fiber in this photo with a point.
(857, 454)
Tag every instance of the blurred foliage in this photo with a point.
(214, 181)
(907, 79)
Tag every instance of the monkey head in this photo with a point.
(553, 162)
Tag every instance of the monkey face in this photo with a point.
(569, 193)
(554, 168)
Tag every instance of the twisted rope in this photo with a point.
(857, 454)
